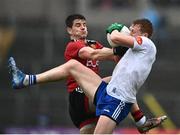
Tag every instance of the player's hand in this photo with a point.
(120, 50)
(116, 58)
(114, 26)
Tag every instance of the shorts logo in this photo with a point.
(106, 110)
(139, 40)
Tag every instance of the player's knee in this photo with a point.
(73, 63)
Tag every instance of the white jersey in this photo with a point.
(132, 70)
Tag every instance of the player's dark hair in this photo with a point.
(71, 18)
(146, 26)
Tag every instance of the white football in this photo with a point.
(124, 30)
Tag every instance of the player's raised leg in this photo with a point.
(86, 78)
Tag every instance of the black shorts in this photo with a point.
(79, 109)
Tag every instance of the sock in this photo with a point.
(141, 122)
(139, 117)
(29, 80)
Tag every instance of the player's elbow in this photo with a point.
(114, 38)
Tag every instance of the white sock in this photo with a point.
(141, 121)
(29, 80)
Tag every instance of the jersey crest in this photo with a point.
(139, 40)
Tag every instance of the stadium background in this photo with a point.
(33, 31)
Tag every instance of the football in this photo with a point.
(124, 30)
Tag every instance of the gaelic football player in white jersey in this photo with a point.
(135, 66)
(114, 100)
(114, 103)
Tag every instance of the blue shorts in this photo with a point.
(112, 107)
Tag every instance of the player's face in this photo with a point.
(135, 30)
(79, 29)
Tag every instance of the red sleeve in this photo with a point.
(72, 50)
(98, 45)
